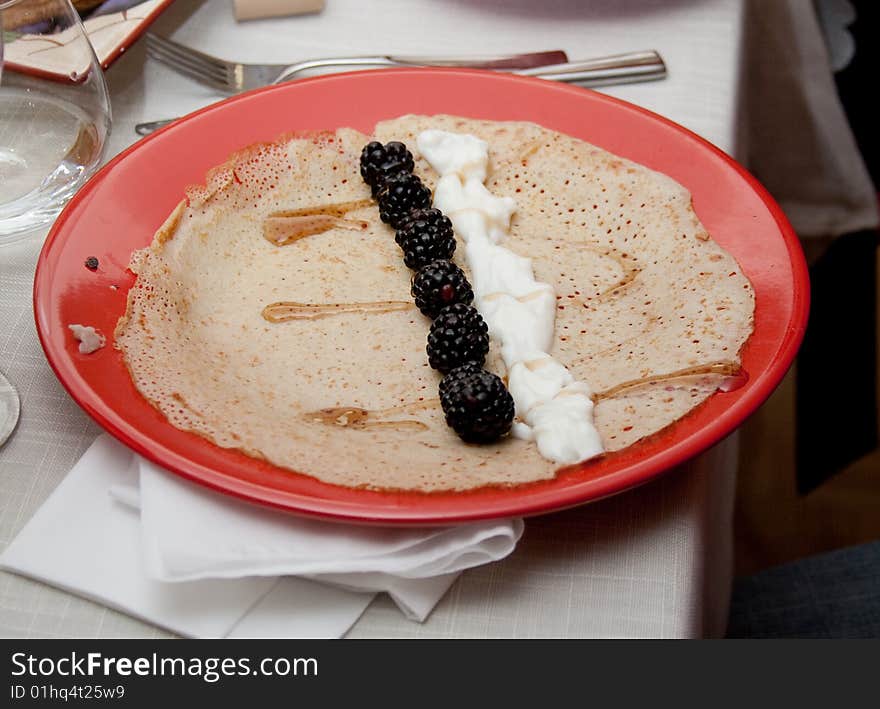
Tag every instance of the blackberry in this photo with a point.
(438, 284)
(425, 235)
(454, 375)
(379, 162)
(401, 194)
(476, 403)
(458, 335)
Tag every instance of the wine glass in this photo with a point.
(54, 112)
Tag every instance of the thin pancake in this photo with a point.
(652, 312)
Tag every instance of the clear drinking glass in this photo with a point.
(54, 112)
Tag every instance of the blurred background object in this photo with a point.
(831, 595)
(258, 9)
(810, 474)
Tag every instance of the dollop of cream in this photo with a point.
(90, 340)
(553, 409)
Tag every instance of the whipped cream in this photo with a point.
(90, 340)
(554, 409)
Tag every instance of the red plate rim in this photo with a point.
(633, 466)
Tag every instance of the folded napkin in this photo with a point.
(206, 565)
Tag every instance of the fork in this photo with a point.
(234, 77)
(552, 65)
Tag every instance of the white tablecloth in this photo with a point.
(653, 562)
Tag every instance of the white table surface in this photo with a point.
(654, 562)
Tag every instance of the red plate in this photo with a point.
(122, 206)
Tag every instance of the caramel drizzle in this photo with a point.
(287, 310)
(530, 149)
(289, 226)
(630, 273)
(360, 419)
(720, 369)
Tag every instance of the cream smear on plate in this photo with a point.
(90, 340)
(554, 409)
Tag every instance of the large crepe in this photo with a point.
(652, 312)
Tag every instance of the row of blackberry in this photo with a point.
(475, 402)
(388, 170)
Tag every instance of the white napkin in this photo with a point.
(205, 565)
